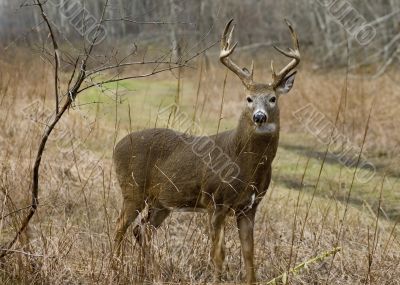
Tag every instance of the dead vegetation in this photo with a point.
(70, 238)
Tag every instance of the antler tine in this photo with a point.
(224, 41)
(293, 53)
(227, 49)
(230, 36)
(273, 71)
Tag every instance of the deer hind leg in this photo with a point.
(217, 236)
(131, 208)
(157, 214)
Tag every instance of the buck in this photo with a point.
(157, 168)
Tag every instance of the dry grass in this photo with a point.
(69, 239)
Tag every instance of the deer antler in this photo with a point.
(226, 50)
(291, 53)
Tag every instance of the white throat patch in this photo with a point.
(266, 128)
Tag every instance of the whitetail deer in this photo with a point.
(156, 167)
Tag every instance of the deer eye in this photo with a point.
(272, 99)
(249, 100)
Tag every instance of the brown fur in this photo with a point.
(159, 165)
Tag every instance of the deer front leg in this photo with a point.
(245, 223)
(217, 236)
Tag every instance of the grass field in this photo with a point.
(313, 206)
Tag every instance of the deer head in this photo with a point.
(262, 98)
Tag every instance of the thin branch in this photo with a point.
(97, 31)
(148, 22)
(14, 212)
(129, 77)
(153, 72)
(73, 73)
(23, 252)
(202, 51)
(56, 53)
(128, 64)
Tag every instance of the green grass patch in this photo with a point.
(300, 156)
(135, 101)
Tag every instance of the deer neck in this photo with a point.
(247, 139)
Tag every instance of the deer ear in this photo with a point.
(286, 84)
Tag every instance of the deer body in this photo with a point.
(167, 172)
(158, 167)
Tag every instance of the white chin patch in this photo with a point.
(266, 128)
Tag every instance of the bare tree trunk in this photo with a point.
(37, 21)
(175, 44)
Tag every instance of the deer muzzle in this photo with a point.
(259, 117)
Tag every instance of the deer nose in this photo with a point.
(259, 117)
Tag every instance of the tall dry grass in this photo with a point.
(69, 240)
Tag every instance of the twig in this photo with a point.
(128, 64)
(148, 22)
(14, 212)
(169, 179)
(24, 253)
(222, 104)
(283, 277)
(127, 77)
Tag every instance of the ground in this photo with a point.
(314, 205)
